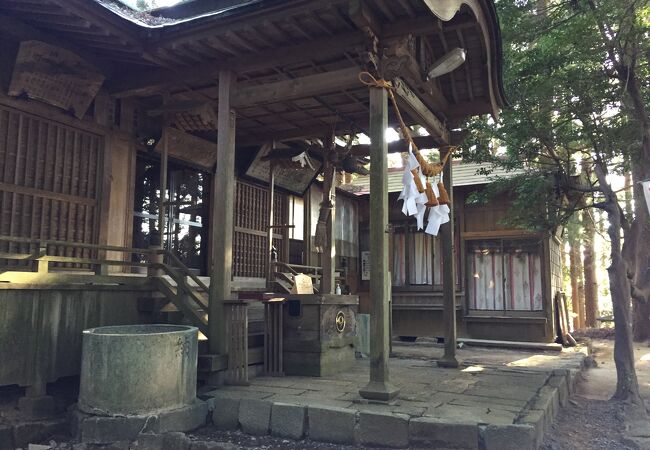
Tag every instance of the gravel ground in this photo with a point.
(262, 442)
(588, 425)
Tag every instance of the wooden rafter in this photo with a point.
(22, 31)
(468, 73)
(445, 49)
(419, 112)
(136, 83)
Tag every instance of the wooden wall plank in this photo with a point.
(48, 180)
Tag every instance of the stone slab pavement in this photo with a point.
(502, 395)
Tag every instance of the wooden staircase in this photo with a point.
(283, 274)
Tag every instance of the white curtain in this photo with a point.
(398, 250)
(499, 281)
(523, 282)
(421, 259)
(486, 280)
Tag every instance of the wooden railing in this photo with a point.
(192, 301)
(280, 269)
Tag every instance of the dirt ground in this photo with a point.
(592, 421)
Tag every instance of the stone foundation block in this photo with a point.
(434, 432)
(255, 416)
(536, 419)
(384, 429)
(104, 430)
(288, 420)
(119, 445)
(28, 432)
(509, 437)
(183, 419)
(213, 445)
(176, 441)
(225, 415)
(559, 381)
(331, 424)
(37, 407)
(547, 400)
(148, 441)
(7, 437)
(574, 378)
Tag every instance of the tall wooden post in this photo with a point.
(448, 274)
(222, 225)
(162, 203)
(328, 281)
(379, 387)
(270, 230)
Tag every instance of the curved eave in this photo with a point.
(487, 18)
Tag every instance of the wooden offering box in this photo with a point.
(320, 333)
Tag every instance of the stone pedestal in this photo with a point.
(319, 333)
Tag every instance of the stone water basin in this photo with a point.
(138, 369)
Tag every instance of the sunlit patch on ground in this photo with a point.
(473, 369)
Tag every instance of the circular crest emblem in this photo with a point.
(340, 321)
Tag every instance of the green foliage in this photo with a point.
(566, 103)
(520, 189)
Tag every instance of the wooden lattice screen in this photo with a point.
(48, 181)
(251, 219)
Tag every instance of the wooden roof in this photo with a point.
(296, 61)
(465, 174)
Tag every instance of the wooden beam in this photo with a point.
(399, 62)
(148, 81)
(95, 13)
(419, 112)
(364, 17)
(24, 32)
(294, 134)
(397, 146)
(308, 86)
(222, 226)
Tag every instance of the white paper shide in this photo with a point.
(415, 202)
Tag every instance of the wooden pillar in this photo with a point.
(270, 230)
(328, 280)
(448, 274)
(379, 387)
(307, 259)
(162, 203)
(223, 198)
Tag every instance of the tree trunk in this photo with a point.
(641, 324)
(627, 385)
(581, 287)
(574, 256)
(591, 285)
(637, 248)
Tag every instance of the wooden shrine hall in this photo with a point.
(187, 158)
